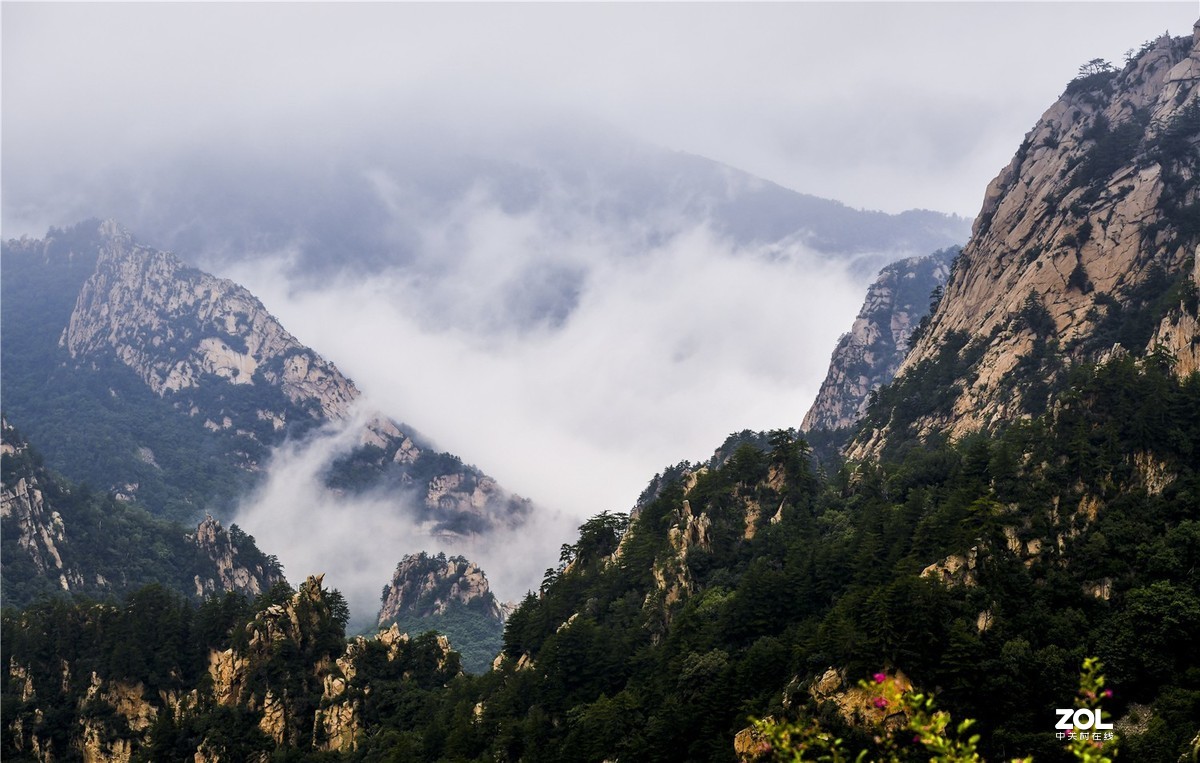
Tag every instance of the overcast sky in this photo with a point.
(883, 106)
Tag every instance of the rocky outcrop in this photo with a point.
(855, 704)
(174, 326)
(688, 531)
(288, 672)
(1087, 239)
(289, 629)
(956, 569)
(232, 569)
(39, 529)
(868, 356)
(50, 536)
(425, 585)
(338, 721)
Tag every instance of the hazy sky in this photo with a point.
(883, 106)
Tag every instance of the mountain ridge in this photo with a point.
(1077, 241)
(194, 382)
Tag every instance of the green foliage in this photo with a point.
(1111, 148)
(92, 421)
(928, 388)
(902, 712)
(111, 548)
(476, 636)
(639, 651)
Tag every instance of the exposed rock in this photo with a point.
(1135, 721)
(1099, 589)
(855, 704)
(173, 325)
(425, 585)
(1154, 475)
(225, 564)
(750, 744)
(956, 569)
(18, 675)
(40, 529)
(232, 571)
(1069, 232)
(338, 725)
(868, 356)
(672, 575)
(98, 746)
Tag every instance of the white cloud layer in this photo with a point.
(881, 105)
(667, 352)
(356, 541)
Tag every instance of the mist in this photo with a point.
(357, 540)
(665, 351)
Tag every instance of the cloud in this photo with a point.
(357, 540)
(96, 85)
(666, 351)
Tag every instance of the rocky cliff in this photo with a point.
(425, 585)
(229, 567)
(174, 326)
(1087, 239)
(38, 530)
(449, 595)
(283, 678)
(868, 356)
(59, 537)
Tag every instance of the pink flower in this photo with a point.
(880, 702)
(880, 677)
(1107, 692)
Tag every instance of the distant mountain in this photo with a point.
(869, 354)
(395, 199)
(161, 383)
(61, 538)
(1086, 246)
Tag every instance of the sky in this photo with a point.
(887, 106)
(884, 106)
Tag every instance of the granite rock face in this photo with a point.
(425, 585)
(1087, 239)
(174, 325)
(868, 356)
(57, 539)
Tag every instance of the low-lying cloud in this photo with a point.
(664, 351)
(356, 540)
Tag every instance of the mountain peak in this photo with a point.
(1085, 240)
(174, 325)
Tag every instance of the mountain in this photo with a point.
(448, 595)
(1050, 559)
(60, 538)
(1086, 241)
(188, 383)
(274, 674)
(868, 356)
(402, 194)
